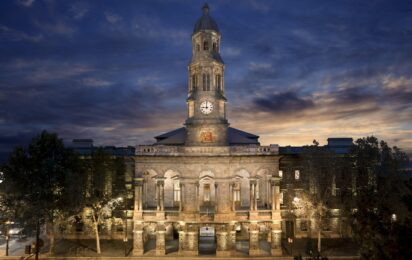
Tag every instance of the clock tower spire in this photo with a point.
(206, 121)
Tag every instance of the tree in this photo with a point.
(103, 190)
(38, 180)
(323, 170)
(382, 203)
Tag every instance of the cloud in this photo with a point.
(79, 10)
(15, 35)
(26, 3)
(112, 18)
(285, 102)
(94, 82)
(56, 28)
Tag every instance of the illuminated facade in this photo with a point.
(206, 178)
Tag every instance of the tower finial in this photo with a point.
(205, 8)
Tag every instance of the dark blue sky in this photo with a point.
(116, 71)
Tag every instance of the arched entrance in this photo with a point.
(207, 240)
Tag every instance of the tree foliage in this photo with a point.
(382, 219)
(40, 181)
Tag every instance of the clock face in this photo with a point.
(206, 107)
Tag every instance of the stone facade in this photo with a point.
(198, 181)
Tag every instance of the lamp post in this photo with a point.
(125, 229)
(290, 241)
(8, 223)
(125, 238)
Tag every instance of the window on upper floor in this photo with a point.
(206, 192)
(297, 174)
(205, 46)
(236, 192)
(176, 191)
(281, 194)
(280, 174)
(194, 81)
(207, 82)
(219, 82)
(197, 47)
(204, 82)
(214, 47)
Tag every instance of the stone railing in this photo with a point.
(239, 150)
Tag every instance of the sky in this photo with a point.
(116, 71)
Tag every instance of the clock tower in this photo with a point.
(206, 122)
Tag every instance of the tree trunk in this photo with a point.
(51, 238)
(96, 232)
(319, 233)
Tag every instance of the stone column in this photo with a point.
(251, 196)
(255, 197)
(232, 236)
(162, 196)
(277, 197)
(138, 244)
(276, 247)
(181, 197)
(254, 249)
(138, 201)
(216, 200)
(223, 242)
(274, 195)
(191, 247)
(233, 196)
(197, 197)
(160, 239)
(182, 241)
(157, 196)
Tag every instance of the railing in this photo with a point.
(162, 150)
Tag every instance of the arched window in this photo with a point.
(176, 191)
(205, 46)
(208, 82)
(194, 82)
(204, 82)
(219, 82)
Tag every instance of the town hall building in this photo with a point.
(207, 178)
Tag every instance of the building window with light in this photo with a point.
(206, 192)
(176, 191)
(280, 174)
(236, 192)
(297, 174)
(281, 197)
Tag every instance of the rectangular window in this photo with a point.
(236, 192)
(176, 191)
(334, 185)
(206, 192)
(280, 174)
(208, 82)
(297, 174)
(281, 197)
(204, 82)
(304, 225)
(257, 190)
(193, 82)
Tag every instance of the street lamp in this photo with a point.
(125, 238)
(8, 223)
(290, 241)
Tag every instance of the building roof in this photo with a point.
(205, 22)
(235, 136)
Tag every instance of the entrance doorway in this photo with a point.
(207, 241)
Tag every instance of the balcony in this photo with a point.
(241, 150)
